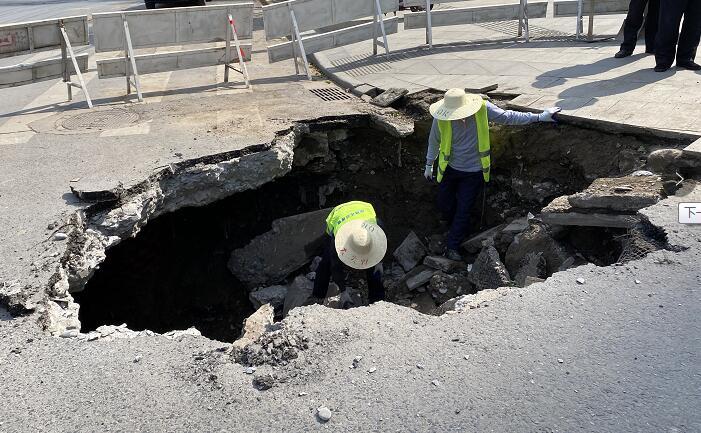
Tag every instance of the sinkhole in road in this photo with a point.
(174, 274)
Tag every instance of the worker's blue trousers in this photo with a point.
(457, 193)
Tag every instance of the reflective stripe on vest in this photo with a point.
(446, 131)
(353, 210)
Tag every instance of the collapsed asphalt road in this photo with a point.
(592, 349)
(616, 353)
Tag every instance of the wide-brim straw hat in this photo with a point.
(361, 244)
(455, 105)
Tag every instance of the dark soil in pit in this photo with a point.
(174, 274)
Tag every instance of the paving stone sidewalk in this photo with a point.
(552, 69)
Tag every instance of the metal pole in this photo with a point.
(579, 19)
(292, 33)
(429, 26)
(239, 52)
(590, 33)
(302, 53)
(76, 67)
(378, 10)
(228, 50)
(137, 82)
(64, 66)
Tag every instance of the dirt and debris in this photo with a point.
(278, 346)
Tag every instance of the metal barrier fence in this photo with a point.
(33, 36)
(305, 23)
(472, 15)
(292, 18)
(578, 8)
(129, 31)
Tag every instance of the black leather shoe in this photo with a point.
(688, 64)
(649, 51)
(662, 68)
(623, 53)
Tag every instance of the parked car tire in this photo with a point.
(150, 4)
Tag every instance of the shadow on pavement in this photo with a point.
(544, 80)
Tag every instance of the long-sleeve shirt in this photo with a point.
(464, 154)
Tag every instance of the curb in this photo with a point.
(347, 83)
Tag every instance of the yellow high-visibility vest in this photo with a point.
(446, 130)
(352, 210)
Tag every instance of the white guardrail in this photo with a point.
(292, 18)
(578, 8)
(133, 30)
(29, 37)
(472, 15)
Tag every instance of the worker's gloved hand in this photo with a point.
(548, 114)
(428, 172)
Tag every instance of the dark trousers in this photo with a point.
(671, 12)
(634, 20)
(331, 267)
(457, 193)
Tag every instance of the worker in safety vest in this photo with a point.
(353, 238)
(459, 139)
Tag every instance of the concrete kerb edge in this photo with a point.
(614, 127)
(341, 79)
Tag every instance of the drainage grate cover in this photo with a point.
(108, 119)
(330, 94)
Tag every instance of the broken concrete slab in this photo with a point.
(421, 278)
(389, 97)
(255, 325)
(488, 272)
(298, 292)
(410, 252)
(518, 225)
(274, 295)
(96, 190)
(444, 264)
(623, 194)
(474, 244)
(668, 161)
(535, 238)
(532, 265)
(561, 212)
(270, 257)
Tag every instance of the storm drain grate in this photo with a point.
(535, 32)
(330, 94)
(108, 119)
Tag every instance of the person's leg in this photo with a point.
(324, 270)
(668, 33)
(634, 20)
(689, 36)
(651, 21)
(376, 290)
(446, 196)
(468, 189)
